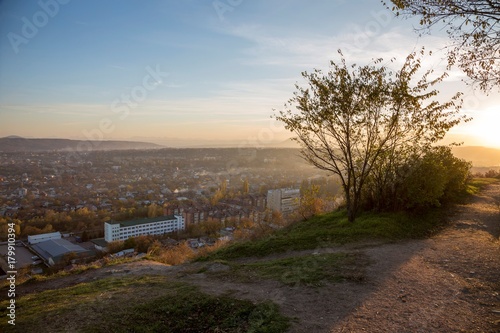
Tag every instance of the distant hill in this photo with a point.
(17, 144)
(479, 156)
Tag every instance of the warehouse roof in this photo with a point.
(57, 248)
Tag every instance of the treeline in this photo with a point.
(414, 184)
(489, 174)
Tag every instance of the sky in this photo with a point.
(194, 72)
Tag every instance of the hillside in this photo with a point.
(18, 144)
(479, 156)
(384, 273)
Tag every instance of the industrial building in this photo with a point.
(285, 200)
(52, 251)
(43, 237)
(120, 231)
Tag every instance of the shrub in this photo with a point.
(430, 180)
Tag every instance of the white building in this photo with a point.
(120, 231)
(23, 192)
(43, 237)
(285, 200)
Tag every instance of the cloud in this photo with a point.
(74, 110)
(378, 36)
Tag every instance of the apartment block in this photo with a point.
(285, 200)
(120, 231)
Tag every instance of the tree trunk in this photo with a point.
(351, 214)
(352, 206)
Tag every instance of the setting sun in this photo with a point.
(484, 128)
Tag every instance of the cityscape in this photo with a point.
(48, 192)
(263, 166)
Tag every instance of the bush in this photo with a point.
(435, 178)
(172, 256)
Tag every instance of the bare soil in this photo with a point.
(447, 283)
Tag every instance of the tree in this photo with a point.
(348, 118)
(154, 210)
(116, 246)
(474, 27)
(142, 243)
(129, 243)
(211, 227)
(245, 187)
(310, 203)
(85, 236)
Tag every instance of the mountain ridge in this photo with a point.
(12, 144)
(480, 156)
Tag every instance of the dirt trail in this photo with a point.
(448, 283)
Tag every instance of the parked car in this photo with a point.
(35, 258)
(36, 262)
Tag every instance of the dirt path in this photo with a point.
(448, 283)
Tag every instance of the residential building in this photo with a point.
(120, 231)
(285, 200)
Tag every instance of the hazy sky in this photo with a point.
(192, 71)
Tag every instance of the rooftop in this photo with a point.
(144, 221)
(50, 234)
(56, 248)
(99, 242)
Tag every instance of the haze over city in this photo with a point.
(195, 73)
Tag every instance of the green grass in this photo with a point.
(188, 310)
(478, 184)
(139, 304)
(309, 270)
(333, 229)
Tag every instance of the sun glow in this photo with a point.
(484, 127)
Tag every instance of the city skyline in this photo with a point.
(195, 73)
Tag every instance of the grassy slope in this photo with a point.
(477, 184)
(139, 304)
(333, 229)
(309, 270)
